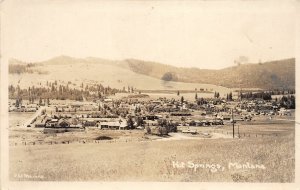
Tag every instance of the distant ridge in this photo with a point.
(268, 75)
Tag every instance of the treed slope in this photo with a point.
(268, 75)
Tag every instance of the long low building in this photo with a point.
(181, 114)
(122, 125)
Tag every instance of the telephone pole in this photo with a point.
(232, 123)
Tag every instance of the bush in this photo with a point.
(148, 130)
(103, 138)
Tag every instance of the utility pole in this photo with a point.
(232, 123)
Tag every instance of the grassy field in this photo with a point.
(153, 160)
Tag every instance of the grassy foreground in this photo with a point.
(153, 160)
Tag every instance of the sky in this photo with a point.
(207, 35)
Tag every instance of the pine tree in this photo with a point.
(40, 101)
(17, 102)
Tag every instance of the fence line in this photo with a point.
(26, 143)
(245, 134)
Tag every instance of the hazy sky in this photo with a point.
(187, 33)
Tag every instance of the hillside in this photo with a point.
(156, 76)
(94, 70)
(268, 75)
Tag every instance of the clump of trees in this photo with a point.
(168, 76)
(201, 101)
(18, 68)
(288, 102)
(163, 128)
(217, 95)
(130, 122)
(169, 126)
(229, 97)
(23, 68)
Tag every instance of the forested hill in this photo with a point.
(268, 75)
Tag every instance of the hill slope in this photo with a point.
(94, 70)
(155, 76)
(274, 74)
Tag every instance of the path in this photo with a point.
(34, 116)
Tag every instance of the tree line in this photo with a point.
(258, 95)
(18, 68)
(59, 92)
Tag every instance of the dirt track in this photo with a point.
(180, 136)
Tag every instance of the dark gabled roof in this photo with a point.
(61, 121)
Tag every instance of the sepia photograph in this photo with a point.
(148, 91)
